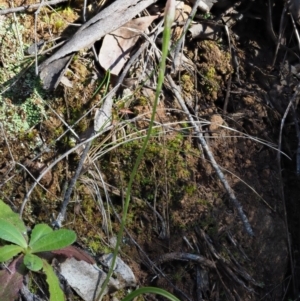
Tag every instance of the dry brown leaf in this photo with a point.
(182, 13)
(117, 45)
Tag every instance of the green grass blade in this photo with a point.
(56, 294)
(169, 17)
(11, 233)
(9, 251)
(150, 290)
(33, 262)
(39, 231)
(54, 241)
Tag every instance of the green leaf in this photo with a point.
(54, 241)
(11, 233)
(33, 262)
(56, 294)
(39, 231)
(9, 251)
(7, 214)
(150, 290)
(4, 209)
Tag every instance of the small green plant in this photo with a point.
(42, 239)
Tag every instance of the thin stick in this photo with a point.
(281, 185)
(131, 61)
(280, 30)
(35, 37)
(212, 160)
(186, 257)
(61, 216)
(296, 30)
(177, 58)
(233, 58)
(27, 7)
(18, 32)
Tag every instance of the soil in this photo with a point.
(179, 206)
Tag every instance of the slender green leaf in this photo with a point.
(150, 290)
(54, 241)
(9, 251)
(39, 231)
(11, 233)
(7, 214)
(169, 18)
(33, 262)
(56, 294)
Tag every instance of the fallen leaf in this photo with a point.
(76, 253)
(117, 45)
(11, 280)
(181, 15)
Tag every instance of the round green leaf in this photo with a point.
(54, 241)
(33, 262)
(9, 251)
(11, 233)
(39, 231)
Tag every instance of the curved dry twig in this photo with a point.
(186, 256)
(28, 7)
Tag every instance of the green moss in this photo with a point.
(59, 25)
(97, 246)
(142, 101)
(164, 163)
(187, 83)
(203, 202)
(190, 189)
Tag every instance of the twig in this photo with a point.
(61, 216)
(6, 141)
(186, 256)
(35, 37)
(296, 30)
(212, 160)
(281, 185)
(273, 35)
(64, 122)
(101, 122)
(18, 32)
(178, 47)
(131, 61)
(31, 6)
(280, 30)
(230, 76)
